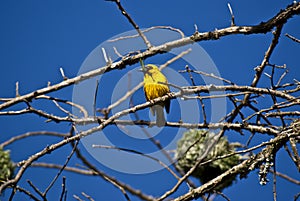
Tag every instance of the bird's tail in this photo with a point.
(160, 116)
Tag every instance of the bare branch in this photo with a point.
(147, 30)
(61, 170)
(79, 107)
(64, 191)
(243, 168)
(208, 75)
(31, 196)
(292, 37)
(87, 196)
(284, 176)
(277, 20)
(30, 134)
(138, 153)
(67, 168)
(121, 186)
(198, 162)
(35, 189)
(251, 114)
(123, 11)
(188, 70)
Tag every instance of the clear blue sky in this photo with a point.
(38, 37)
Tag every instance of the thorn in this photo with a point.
(196, 28)
(104, 54)
(106, 59)
(117, 52)
(231, 13)
(17, 89)
(62, 73)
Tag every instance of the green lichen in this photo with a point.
(6, 166)
(196, 142)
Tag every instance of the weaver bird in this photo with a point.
(154, 88)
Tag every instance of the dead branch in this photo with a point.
(264, 27)
(243, 168)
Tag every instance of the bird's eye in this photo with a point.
(149, 67)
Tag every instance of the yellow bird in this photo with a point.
(154, 88)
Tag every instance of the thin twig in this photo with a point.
(231, 13)
(63, 110)
(284, 104)
(76, 197)
(259, 71)
(63, 194)
(106, 58)
(40, 193)
(209, 75)
(192, 169)
(274, 180)
(125, 13)
(286, 177)
(277, 20)
(67, 168)
(243, 168)
(286, 148)
(95, 98)
(79, 107)
(121, 186)
(215, 96)
(87, 196)
(138, 153)
(30, 134)
(222, 195)
(281, 77)
(61, 170)
(292, 37)
(117, 52)
(161, 148)
(147, 30)
(188, 70)
(31, 196)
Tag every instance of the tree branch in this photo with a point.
(243, 168)
(263, 27)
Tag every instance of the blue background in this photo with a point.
(38, 37)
